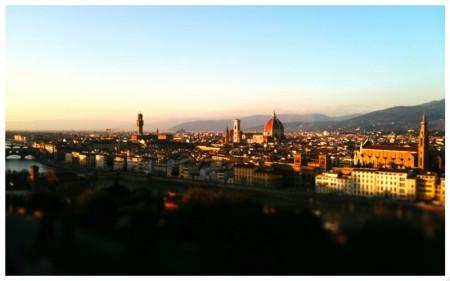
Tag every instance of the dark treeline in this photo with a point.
(117, 231)
(17, 180)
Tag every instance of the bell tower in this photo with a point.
(423, 144)
(236, 131)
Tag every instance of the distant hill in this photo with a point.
(399, 118)
(254, 122)
(346, 117)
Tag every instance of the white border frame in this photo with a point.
(5, 3)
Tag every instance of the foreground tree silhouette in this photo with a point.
(393, 247)
(215, 232)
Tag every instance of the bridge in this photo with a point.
(23, 151)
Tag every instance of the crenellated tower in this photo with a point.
(140, 124)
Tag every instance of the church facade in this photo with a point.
(392, 156)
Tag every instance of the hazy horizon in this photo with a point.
(74, 65)
(102, 125)
(129, 125)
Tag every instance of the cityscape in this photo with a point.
(262, 191)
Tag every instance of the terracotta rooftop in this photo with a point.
(391, 147)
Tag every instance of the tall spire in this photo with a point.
(423, 144)
(273, 113)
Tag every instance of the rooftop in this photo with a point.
(391, 147)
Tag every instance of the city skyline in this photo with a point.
(187, 63)
(224, 140)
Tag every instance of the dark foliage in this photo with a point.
(212, 233)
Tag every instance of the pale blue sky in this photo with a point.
(174, 63)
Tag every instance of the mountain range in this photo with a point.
(253, 122)
(398, 118)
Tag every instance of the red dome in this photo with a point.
(273, 127)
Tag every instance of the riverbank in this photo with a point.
(286, 196)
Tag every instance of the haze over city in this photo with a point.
(96, 67)
(225, 140)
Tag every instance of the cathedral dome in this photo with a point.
(273, 127)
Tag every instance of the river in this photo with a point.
(14, 163)
(18, 165)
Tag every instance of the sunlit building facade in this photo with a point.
(332, 182)
(385, 156)
(426, 186)
(370, 183)
(394, 156)
(441, 193)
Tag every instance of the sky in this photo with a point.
(98, 66)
